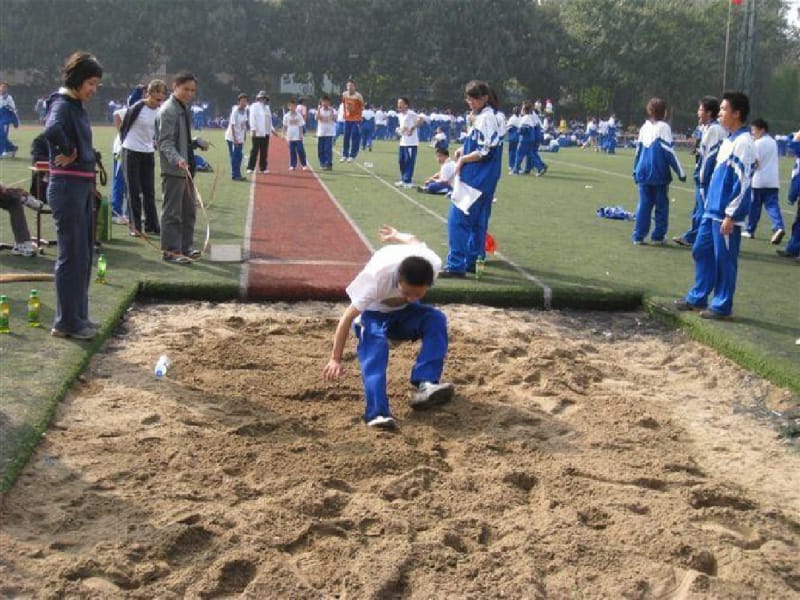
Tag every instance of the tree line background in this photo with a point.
(588, 56)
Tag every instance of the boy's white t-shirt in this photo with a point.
(326, 128)
(766, 175)
(408, 120)
(116, 146)
(380, 117)
(375, 287)
(293, 126)
(448, 171)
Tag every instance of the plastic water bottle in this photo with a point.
(480, 267)
(162, 365)
(5, 313)
(102, 263)
(33, 308)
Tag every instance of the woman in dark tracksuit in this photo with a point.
(70, 193)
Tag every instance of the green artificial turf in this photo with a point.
(545, 226)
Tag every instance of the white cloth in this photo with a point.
(407, 130)
(326, 122)
(375, 288)
(447, 171)
(463, 195)
(142, 132)
(766, 174)
(8, 102)
(380, 117)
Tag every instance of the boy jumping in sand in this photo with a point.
(385, 306)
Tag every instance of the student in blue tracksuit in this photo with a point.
(478, 165)
(705, 159)
(792, 249)
(512, 136)
(716, 249)
(530, 136)
(654, 158)
(611, 146)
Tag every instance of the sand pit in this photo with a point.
(585, 455)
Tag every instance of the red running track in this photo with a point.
(302, 247)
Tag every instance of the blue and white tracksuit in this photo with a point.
(793, 247)
(711, 137)
(653, 162)
(467, 232)
(729, 195)
(512, 136)
(530, 135)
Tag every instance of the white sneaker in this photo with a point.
(119, 220)
(777, 236)
(291, 168)
(381, 422)
(305, 168)
(399, 183)
(249, 170)
(24, 249)
(342, 159)
(747, 234)
(432, 394)
(408, 186)
(349, 159)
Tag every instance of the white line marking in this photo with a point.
(244, 276)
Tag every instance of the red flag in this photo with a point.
(736, 2)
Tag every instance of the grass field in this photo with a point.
(551, 244)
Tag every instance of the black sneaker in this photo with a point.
(193, 253)
(175, 259)
(683, 305)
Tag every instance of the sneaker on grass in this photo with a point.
(432, 394)
(24, 249)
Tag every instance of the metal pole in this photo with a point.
(727, 44)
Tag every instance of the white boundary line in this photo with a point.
(244, 276)
(547, 291)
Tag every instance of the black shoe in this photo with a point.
(445, 274)
(785, 254)
(193, 253)
(713, 315)
(683, 305)
(680, 241)
(175, 259)
(777, 237)
(152, 231)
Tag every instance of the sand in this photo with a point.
(585, 455)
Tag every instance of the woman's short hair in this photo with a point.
(79, 67)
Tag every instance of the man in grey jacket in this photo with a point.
(176, 149)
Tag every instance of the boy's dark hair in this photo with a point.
(242, 95)
(183, 77)
(79, 67)
(760, 124)
(739, 102)
(443, 151)
(292, 100)
(405, 99)
(657, 109)
(415, 270)
(711, 105)
(325, 97)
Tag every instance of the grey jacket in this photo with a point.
(173, 136)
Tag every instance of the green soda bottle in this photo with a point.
(480, 268)
(33, 308)
(5, 312)
(101, 268)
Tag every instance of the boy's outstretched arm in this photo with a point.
(333, 370)
(387, 233)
